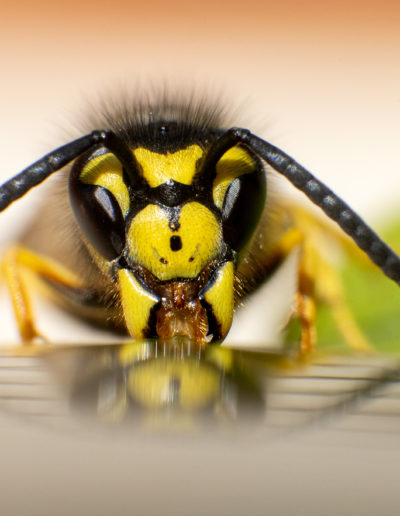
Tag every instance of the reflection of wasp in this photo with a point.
(161, 225)
(146, 379)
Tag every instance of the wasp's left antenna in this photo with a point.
(33, 175)
(36, 173)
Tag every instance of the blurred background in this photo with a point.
(319, 79)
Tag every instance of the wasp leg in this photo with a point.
(306, 304)
(319, 281)
(17, 263)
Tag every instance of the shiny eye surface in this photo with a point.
(100, 218)
(243, 205)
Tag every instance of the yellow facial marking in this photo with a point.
(137, 303)
(179, 166)
(234, 163)
(220, 297)
(106, 171)
(199, 237)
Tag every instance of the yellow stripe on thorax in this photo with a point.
(179, 166)
(106, 171)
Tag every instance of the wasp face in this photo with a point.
(170, 231)
(166, 210)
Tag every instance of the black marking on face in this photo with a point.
(214, 328)
(173, 216)
(160, 258)
(191, 259)
(175, 243)
(174, 225)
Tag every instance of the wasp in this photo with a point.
(161, 223)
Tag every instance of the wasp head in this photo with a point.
(170, 223)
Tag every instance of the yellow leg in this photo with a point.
(17, 261)
(318, 281)
(306, 308)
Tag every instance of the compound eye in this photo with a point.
(242, 208)
(100, 218)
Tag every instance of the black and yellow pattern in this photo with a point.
(155, 243)
(161, 225)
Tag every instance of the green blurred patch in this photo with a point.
(373, 299)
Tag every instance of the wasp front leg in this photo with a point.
(305, 297)
(306, 305)
(320, 282)
(317, 280)
(18, 265)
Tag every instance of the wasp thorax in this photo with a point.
(177, 249)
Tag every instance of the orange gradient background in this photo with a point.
(320, 79)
